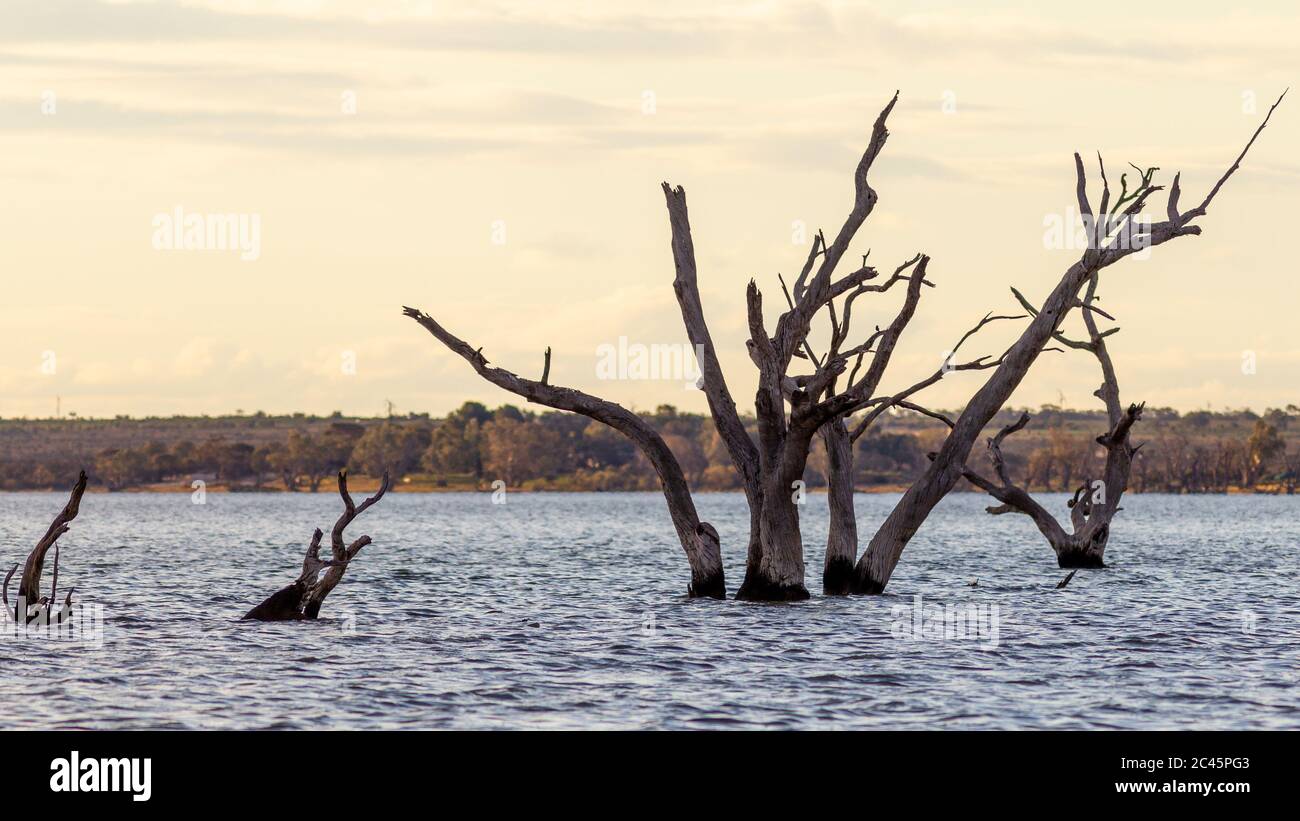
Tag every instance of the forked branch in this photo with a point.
(303, 598)
(1094, 503)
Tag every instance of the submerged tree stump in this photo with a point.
(30, 605)
(303, 598)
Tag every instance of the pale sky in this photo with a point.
(501, 170)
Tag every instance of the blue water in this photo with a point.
(568, 611)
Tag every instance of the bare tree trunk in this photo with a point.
(842, 537)
(842, 541)
(29, 585)
(774, 563)
(886, 547)
(722, 407)
(302, 599)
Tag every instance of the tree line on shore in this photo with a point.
(474, 446)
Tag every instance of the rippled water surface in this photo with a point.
(568, 611)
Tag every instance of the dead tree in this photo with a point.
(814, 400)
(31, 605)
(1095, 502)
(791, 409)
(303, 598)
(1114, 233)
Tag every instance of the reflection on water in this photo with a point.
(567, 610)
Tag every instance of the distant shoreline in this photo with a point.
(475, 446)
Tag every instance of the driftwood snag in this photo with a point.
(31, 605)
(303, 598)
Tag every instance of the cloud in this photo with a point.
(807, 29)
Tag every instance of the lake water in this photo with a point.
(568, 611)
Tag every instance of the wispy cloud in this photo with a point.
(558, 121)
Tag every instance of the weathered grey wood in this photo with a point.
(303, 598)
(29, 586)
(342, 555)
(722, 407)
(791, 409)
(769, 469)
(699, 539)
(842, 536)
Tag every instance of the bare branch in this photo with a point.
(686, 286)
(995, 447)
(1205, 204)
(312, 564)
(924, 412)
(980, 363)
(1081, 188)
(1013, 498)
(1057, 335)
(54, 582)
(1105, 185)
(866, 386)
(702, 551)
(792, 327)
(818, 249)
(351, 512)
(1119, 435)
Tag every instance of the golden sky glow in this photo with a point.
(498, 165)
